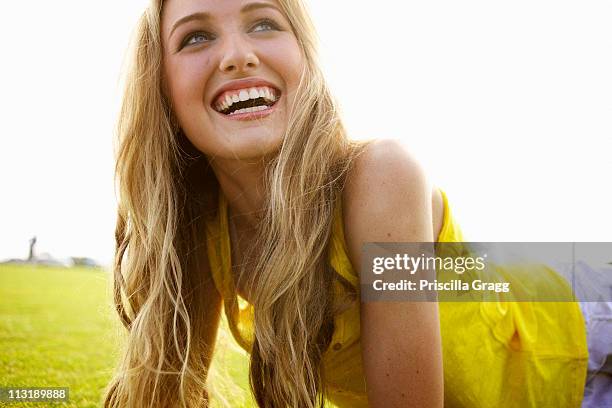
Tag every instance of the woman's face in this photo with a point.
(231, 69)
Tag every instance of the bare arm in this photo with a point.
(387, 199)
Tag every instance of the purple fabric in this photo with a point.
(598, 388)
(594, 283)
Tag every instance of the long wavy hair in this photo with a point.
(167, 189)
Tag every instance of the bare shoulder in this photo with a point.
(385, 183)
(387, 180)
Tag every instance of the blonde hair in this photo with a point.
(167, 190)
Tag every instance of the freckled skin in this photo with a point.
(401, 343)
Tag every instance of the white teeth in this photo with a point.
(249, 110)
(253, 93)
(243, 110)
(245, 94)
(271, 95)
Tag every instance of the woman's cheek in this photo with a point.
(190, 76)
(287, 59)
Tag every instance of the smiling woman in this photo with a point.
(237, 179)
(187, 154)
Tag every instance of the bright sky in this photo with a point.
(507, 104)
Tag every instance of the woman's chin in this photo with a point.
(261, 149)
(251, 144)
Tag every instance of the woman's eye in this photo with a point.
(265, 25)
(197, 38)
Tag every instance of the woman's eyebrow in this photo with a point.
(257, 5)
(201, 16)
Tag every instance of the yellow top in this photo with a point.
(495, 354)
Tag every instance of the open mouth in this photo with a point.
(246, 100)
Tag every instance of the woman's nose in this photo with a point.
(238, 55)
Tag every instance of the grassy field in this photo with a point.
(58, 329)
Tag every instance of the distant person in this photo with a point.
(32, 255)
(237, 177)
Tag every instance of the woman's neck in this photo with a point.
(242, 184)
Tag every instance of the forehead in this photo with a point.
(173, 10)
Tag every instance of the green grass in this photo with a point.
(58, 329)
